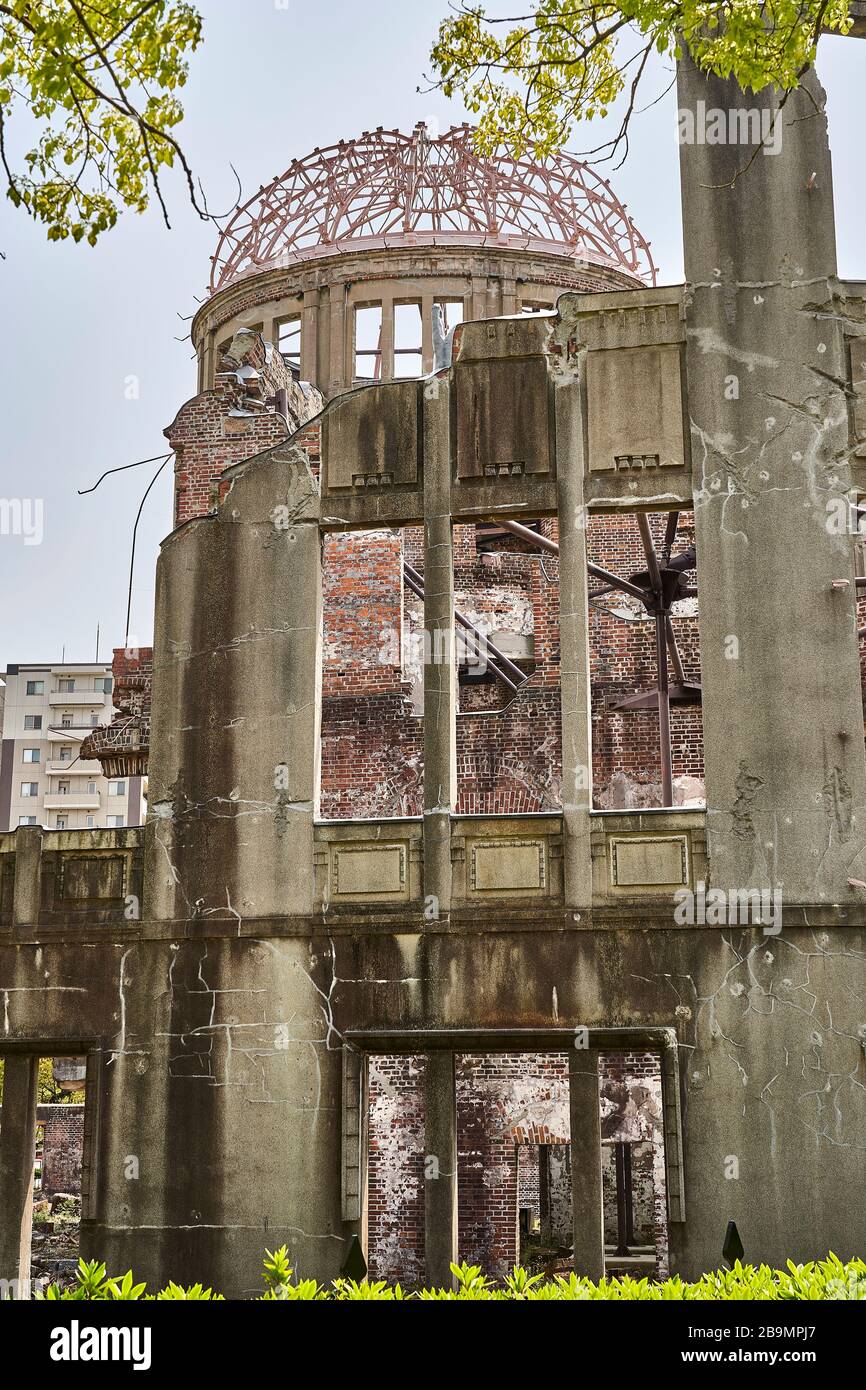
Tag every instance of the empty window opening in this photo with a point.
(506, 598)
(634, 1183)
(647, 740)
(510, 1106)
(368, 342)
(58, 1147)
(408, 340)
(289, 341)
(514, 1182)
(453, 312)
(395, 1176)
(372, 675)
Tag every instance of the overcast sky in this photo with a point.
(270, 82)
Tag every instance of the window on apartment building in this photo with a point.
(32, 755)
(67, 685)
(114, 822)
(33, 721)
(27, 820)
(90, 822)
(117, 789)
(368, 342)
(65, 720)
(29, 788)
(65, 755)
(103, 683)
(35, 687)
(408, 360)
(62, 822)
(91, 788)
(289, 340)
(63, 788)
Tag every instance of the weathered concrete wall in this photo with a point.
(220, 1072)
(214, 1018)
(767, 376)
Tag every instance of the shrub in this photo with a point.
(817, 1280)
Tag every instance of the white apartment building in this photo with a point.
(47, 711)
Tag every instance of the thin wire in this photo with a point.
(82, 492)
(134, 533)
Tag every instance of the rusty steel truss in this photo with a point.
(658, 587)
(389, 189)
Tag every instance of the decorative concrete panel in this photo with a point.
(370, 438)
(635, 409)
(649, 861)
(507, 866)
(92, 878)
(369, 871)
(502, 418)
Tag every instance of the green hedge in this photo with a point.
(819, 1279)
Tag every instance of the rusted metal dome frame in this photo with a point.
(387, 189)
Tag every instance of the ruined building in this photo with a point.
(504, 878)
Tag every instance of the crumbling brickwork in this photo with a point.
(508, 744)
(123, 746)
(395, 1169)
(62, 1147)
(513, 1143)
(256, 402)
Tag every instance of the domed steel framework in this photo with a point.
(389, 189)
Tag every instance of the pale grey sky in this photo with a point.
(270, 82)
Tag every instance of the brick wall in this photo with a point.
(504, 1101)
(395, 1169)
(509, 756)
(234, 421)
(508, 745)
(124, 745)
(508, 1105)
(62, 1146)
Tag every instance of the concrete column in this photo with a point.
(225, 1070)
(477, 308)
(585, 1119)
(386, 340)
(234, 757)
(767, 366)
(17, 1152)
(427, 302)
(440, 664)
(28, 875)
(440, 1186)
(309, 336)
(574, 647)
(339, 375)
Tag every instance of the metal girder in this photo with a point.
(387, 189)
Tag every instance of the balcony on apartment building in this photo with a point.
(94, 698)
(72, 801)
(67, 733)
(61, 767)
